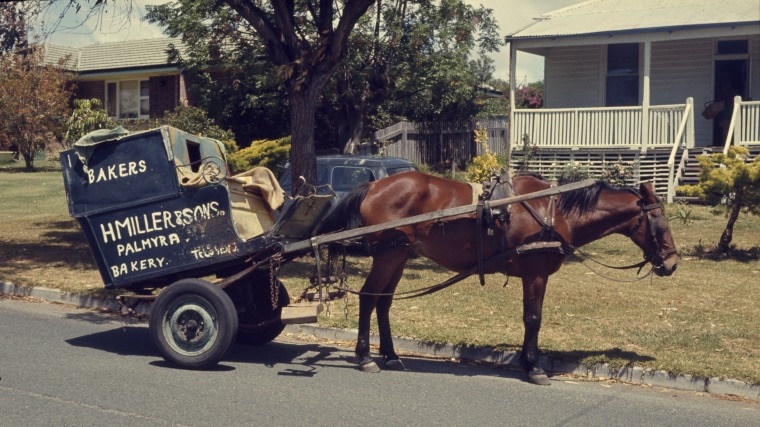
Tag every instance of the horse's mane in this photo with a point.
(582, 200)
(345, 215)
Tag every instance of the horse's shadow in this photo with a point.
(307, 359)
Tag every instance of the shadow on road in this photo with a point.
(307, 359)
(293, 359)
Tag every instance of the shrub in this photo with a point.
(267, 153)
(573, 171)
(196, 121)
(484, 165)
(88, 115)
(619, 173)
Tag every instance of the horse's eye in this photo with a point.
(660, 224)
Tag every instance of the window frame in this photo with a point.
(619, 78)
(117, 113)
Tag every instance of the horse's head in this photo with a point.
(651, 232)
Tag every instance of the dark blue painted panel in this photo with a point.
(164, 238)
(118, 173)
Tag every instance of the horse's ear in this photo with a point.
(647, 191)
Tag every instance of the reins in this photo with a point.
(640, 265)
(434, 288)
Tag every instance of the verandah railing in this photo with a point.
(601, 127)
(684, 139)
(744, 128)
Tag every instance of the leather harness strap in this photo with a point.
(479, 240)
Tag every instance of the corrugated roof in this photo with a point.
(115, 55)
(609, 16)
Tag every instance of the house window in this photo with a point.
(733, 47)
(128, 99)
(622, 75)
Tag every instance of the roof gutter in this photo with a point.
(630, 31)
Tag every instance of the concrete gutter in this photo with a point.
(631, 375)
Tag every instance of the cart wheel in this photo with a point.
(193, 323)
(254, 331)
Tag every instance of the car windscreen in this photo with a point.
(345, 178)
(286, 182)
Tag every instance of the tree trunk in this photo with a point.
(725, 239)
(350, 125)
(302, 153)
(28, 160)
(355, 137)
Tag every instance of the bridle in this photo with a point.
(654, 227)
(656, 258)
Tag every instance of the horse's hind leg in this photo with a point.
(533, 300)
(392, 361)
(383, 277)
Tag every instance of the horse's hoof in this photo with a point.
(539, 378)
(369, 367)
(394, 365)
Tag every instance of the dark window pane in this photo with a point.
(622, 59)
(622, 85)
(622, 91)
(732, 47)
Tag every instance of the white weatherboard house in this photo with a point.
(629, 79)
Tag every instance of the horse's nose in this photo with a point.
(668, 271)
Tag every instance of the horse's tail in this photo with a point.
(345, 215)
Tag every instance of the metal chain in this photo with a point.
(274, 287)
(324, 288)
(343, 280)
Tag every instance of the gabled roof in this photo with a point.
(132, 54)
(595, 17)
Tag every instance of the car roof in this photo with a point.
(354, 160)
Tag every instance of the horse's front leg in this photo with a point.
(534, 289)
(383, 277)
(367, 304)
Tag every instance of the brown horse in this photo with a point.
(581, 216)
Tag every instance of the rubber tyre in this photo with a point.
(249, 333)
(193, 323)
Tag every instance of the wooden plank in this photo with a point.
(305, 312)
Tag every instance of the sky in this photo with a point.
(511, 15)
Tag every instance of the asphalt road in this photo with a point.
(65, 366)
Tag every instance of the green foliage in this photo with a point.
(573, 171)
(435, 79)
(682, 214)
(530, 95)
(723, 176)
(267, 153)
(529, 152)
(728, 180)
(413, 60)
(619, 173)
(229, 75)
(88, 115)
(196, 121)
(484, 165)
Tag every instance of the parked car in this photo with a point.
(344, 172)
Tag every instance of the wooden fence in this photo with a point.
(442, 144)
